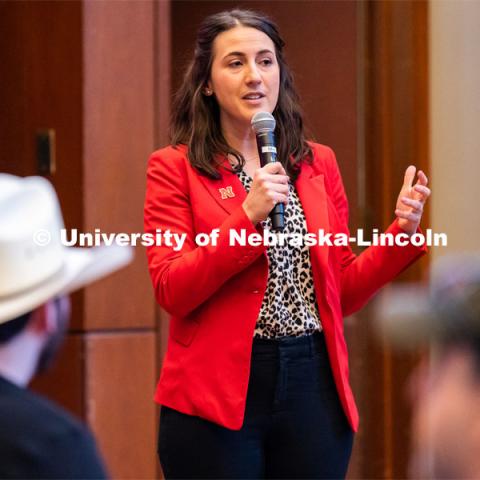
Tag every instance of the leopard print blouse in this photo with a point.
(289, 307)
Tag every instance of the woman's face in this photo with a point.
(245, 75)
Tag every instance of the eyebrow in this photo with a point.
(242, 54)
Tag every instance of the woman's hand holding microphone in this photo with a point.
(269, 187)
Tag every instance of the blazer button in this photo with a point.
(256, 291)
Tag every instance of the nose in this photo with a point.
(253, 75)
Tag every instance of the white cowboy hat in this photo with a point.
(34, 265)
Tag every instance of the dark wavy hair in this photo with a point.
(196, 118)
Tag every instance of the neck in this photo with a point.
(242, 139)
(18, 359)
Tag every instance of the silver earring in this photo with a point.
(208, 91)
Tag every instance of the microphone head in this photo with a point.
(263, 122)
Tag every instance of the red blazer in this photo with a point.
(214, 293)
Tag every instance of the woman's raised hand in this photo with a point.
(411, 200)
(269, 187)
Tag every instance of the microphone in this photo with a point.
(263, 124)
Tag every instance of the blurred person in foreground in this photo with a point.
(445, 388)
(37, 438)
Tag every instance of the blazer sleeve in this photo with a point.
(363, 275)
(184, 279)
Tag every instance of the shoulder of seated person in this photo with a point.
(52, 420)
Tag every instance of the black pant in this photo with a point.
(294, 424)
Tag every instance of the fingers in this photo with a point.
(409, 176)
(279, 179)
(277, 187)
(278, 198)
(272, 173)
(415, 209)
(421, 186)
(424, 191)
(270, 186)
(422, 178)
(416, 205)
(409, 215)
(412, 198)
(274, 168)
(276, 192)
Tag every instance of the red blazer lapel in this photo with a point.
(313, 196)
(228, 191)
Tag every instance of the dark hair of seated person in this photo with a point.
(10, 329)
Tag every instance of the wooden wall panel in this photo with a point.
(163, 78)
(396, 135)
(64, 381)
(120, 373)
(163, 74)
(40, 87)
(118, 125)
(163, 90)
(121, 96)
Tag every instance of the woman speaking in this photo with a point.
(255, 382)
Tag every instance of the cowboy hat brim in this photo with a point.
(80, 267)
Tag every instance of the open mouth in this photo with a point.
(253, 96)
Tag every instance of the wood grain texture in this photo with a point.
(396, 135)
(40, 87)
(120, 380)
(118, 127)
(163, 89)
(64, 381)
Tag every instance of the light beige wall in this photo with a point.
(455, 123)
